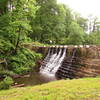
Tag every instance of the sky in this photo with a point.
(84, 7)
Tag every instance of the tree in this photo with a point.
(76, 35)
(3, 6)
(49, 22)
(83, 22)
(68, 19)
(96, 24)
(15, 28)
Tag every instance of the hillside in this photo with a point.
(77, 89)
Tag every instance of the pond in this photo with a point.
(34, 78)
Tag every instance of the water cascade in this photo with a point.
(53, 61)
(58, 62)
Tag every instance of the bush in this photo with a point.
(6, 72)
(23, 61)
(6, 83)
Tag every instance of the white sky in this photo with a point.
(84, 7)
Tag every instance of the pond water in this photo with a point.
(34, 78)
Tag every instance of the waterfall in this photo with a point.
(59, 62)
(46, 59)
(54, 62)
(47, 55)
(53, 57)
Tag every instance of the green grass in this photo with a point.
(77, 89)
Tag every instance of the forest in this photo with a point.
(43, 22)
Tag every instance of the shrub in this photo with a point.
(23, 61)
(6, 72)
(6, 83)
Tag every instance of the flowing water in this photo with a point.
(53, 64)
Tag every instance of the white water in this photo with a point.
(47, 55)
(46, 58)
(59, 62)
(53, 61)
(45, 69)
(53, 64)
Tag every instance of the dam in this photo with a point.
(69, 61)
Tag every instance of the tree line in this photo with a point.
(23, 21)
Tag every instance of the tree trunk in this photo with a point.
(18, 40)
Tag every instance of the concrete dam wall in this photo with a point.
(69, 61)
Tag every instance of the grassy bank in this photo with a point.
(77, 89)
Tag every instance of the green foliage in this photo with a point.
(92, 38)
(95, 37)
(23, 61)
(6, 83)
(38, 43)
(81, 21)
(15, 28)
(3, 6)
(49, 22)
(6, 73)
(5, 46)
(76, 34)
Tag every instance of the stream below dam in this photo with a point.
(34, 78)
